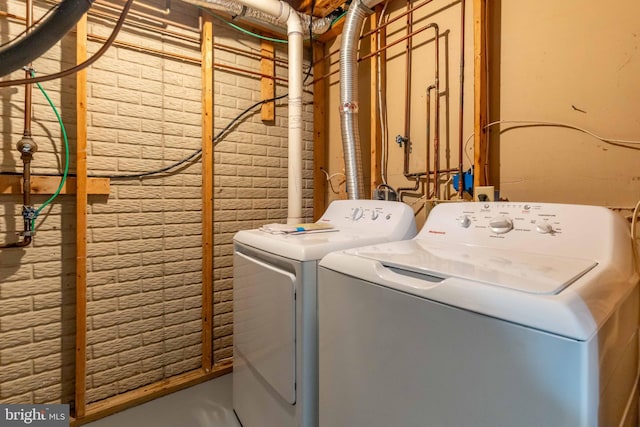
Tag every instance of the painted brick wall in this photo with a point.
(144, 239)
(250, 182)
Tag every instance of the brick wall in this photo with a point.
(144, 239)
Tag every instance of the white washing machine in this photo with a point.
(495, 315)
(275, 377)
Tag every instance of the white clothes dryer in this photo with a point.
(275, 373)
(495, 315)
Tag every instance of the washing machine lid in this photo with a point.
(516, 270)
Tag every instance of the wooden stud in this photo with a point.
(480, 93)
(207, 192)
(12, 184)
(268, 84)
(319, 138)
(81, 222)
(149, 392)
(376, 126)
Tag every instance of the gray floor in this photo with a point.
(204, 405)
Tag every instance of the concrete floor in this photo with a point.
(204, 405)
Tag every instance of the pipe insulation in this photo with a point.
(356, 15)
(254, 10)
(43, 37)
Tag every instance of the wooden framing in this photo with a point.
(480, 93)
(12, 184)
(319, 139)
(268, 84)
(207, 192)
(81, 222)
(376, 126)
(149, 392)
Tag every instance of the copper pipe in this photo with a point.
(107, 15)
(436, 139)
(436, 116)
(141, 15)
(407, 87)
(395, 42)
(84, 64)
(26, 146)
(183, 57)
(428, 128)
(405, 13)
(461, 110)
(165, 11)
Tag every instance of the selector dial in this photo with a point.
(356, 214)
(465, 221)
(544, 228)
(501, 224)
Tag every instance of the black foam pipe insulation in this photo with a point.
(43, 37)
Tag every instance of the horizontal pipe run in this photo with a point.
(189, 59)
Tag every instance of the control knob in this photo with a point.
(465, 221)
(544, 228)
(501, 224)
(356, 214)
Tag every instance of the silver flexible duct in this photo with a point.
(318, 25)
(349, 96)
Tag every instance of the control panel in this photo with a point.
(545, 227)
(367, 214)
(502, 218)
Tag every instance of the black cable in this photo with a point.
(313, 5)
(31, 27)
(75, 68)
(216, 139)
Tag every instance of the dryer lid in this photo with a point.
(520, 271)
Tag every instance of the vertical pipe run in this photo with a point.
(349, 99)
(407, 84)
(294, 32)
(461, 110)
(26, 146)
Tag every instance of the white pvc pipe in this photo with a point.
(294, 32)
(282, 11)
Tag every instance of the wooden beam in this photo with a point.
(81, 222)
(207, 192)
(480, 93)
(12, 184)
(375, 125)
(333, 32)
(268, 84)
(149, 392)
(319, 138)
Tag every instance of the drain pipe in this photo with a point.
(26, 146)
(285, 13)
(356, 15)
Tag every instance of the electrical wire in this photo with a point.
(614, 141)
(381, 104)
(330, 177)
(51, 9)
(337, 19)
(66, 154)
(193, 156)
(107, 44)
(635, 240)
(260, 36)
